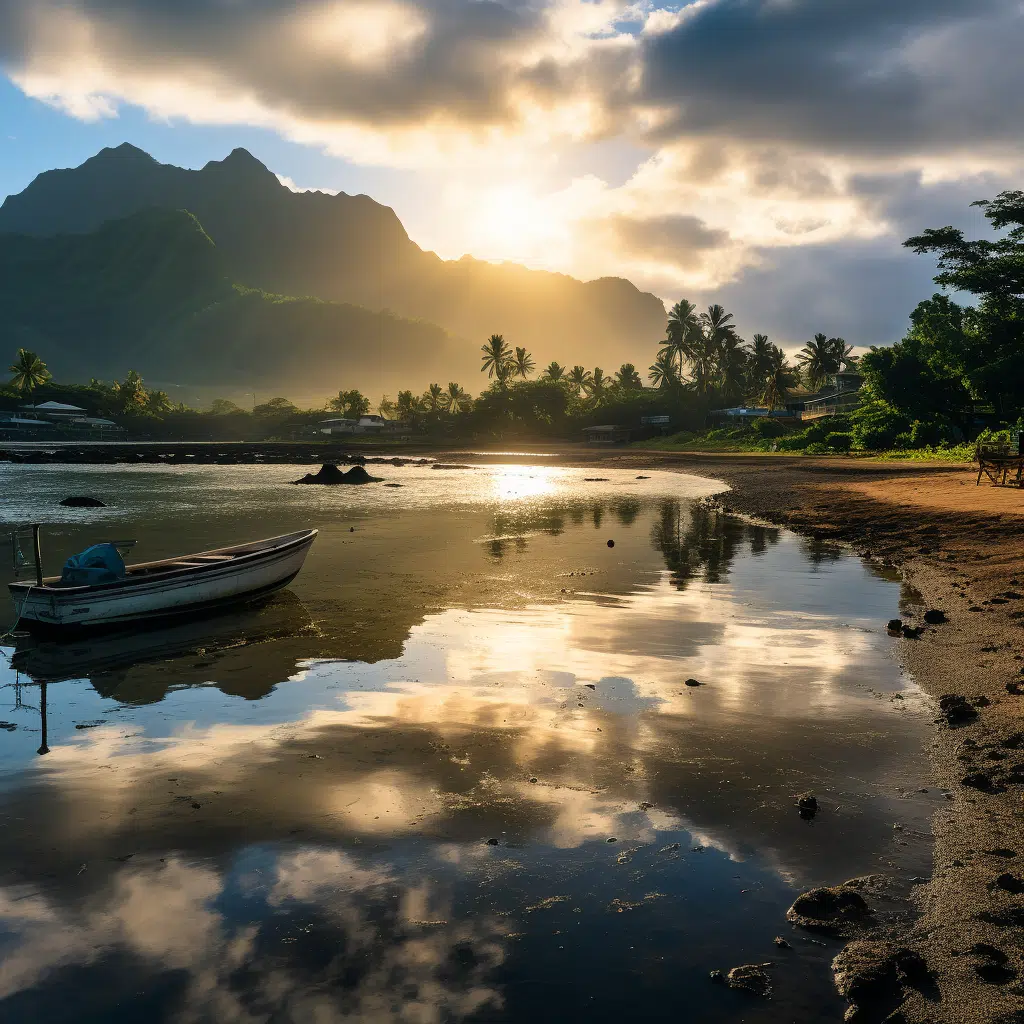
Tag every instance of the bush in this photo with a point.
(876, 425)
(817, 448)
(839, 442)
(768, 428)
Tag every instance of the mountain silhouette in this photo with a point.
(151, 292)
(348, 249)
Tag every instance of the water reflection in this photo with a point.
(473, 787)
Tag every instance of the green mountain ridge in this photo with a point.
(151, 292)
(347, 249)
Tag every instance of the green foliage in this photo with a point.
(351, 404)
(768, 427)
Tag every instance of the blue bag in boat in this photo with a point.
(99, 564)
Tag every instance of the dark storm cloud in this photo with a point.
(886, 75)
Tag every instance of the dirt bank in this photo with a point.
(961, 547)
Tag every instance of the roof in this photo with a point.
(607, 426)
(54, 407)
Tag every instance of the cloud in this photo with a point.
(761, 126)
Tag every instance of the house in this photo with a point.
(608, 433)
(744, 415)
(55, 421)
(841, 394)
(369, 424)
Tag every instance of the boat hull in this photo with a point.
(50, 609)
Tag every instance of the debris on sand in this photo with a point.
(330, 474)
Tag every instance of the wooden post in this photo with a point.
(38, 553)
(43, 748)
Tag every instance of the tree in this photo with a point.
(351, 404)
(385, 407)
(681, 331)
(778, 380)
(455, 399)
(130, 394)
(223, 406)
(553, 371)
(579, 377)
(759, 355)
(157, 402)
(276, 408)
(627, 378)
(522, 363)
(407, 405)
(662, 372)
(817, 360)
(29, 371)
(598, 385)
(432, 398)
(497, 358)
(731, 376)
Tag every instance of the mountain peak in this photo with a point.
(241, 162)
(125, 152)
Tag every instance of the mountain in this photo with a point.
(350, 249)
(151, 292)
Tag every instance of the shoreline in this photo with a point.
(959, 550)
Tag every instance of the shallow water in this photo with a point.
(453, 773)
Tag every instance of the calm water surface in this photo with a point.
(453, 773)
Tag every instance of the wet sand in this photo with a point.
(959, 547)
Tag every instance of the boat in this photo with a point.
(167, 588)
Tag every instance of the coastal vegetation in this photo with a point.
(955, 376)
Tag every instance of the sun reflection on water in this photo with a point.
(516, 483)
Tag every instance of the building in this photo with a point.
(609, 433)
(840, 395)
(744, 415)
(369, 424)
(54, 421)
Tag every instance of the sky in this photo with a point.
(770, 155)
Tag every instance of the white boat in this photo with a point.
(169, 587)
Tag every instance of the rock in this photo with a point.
(393, 485)
(611, 543)
(595, 479)
(982, 781)
(955, 709)
(993, 965)
(894, 625)
(450, 465)
(330, 474)
(750, 978)
(1009, 883)
(492, 842)
(807, 805)
(871, 976)
(83, 501)
(643, 478)
(781, 942)
(692, 682)
(716, 976)
(832, 908)
(1014, 687)
(912, 632)
(934, 616)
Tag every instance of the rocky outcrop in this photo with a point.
(329, 474)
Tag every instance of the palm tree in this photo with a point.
(29, 371)
(130, 393)
(406, 405)
(598, 385)
(732, 367)
(432, 398)
(579, 378)
(818, 360)
(522, 363)
(627, 378)
(683, 324)
(385, 407)
(497, 358)
(662, 372)
(778, 379)
(456, 399)
(842, 355)
(553, 371)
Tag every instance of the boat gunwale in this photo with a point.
(133, 578)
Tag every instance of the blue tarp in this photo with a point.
(99, 564)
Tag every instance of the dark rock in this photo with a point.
(1011, 917)
(692, 682)
(982, 781)
(781, 942)
(716, 976)
(330, 474)
(894, 625)
(871, 975)
(829, 908)
(611, 543)
(934, 616)
(1014, 741)
(83, 501)
(643, 478)
(993, 966)
(807, 805)
(955, 709)
(393, 485)
(981, 701)
(912, 632)
(1015, 688)
(1000, 851)
(595, 479)
(492, 842)
(448, 465)
(750, 978)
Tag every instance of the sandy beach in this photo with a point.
(957, 546)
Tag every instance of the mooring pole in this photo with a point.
(39, 554)
(43, 748)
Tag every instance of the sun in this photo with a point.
(510, 222)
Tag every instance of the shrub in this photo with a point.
(767, 427)
(839, 442)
